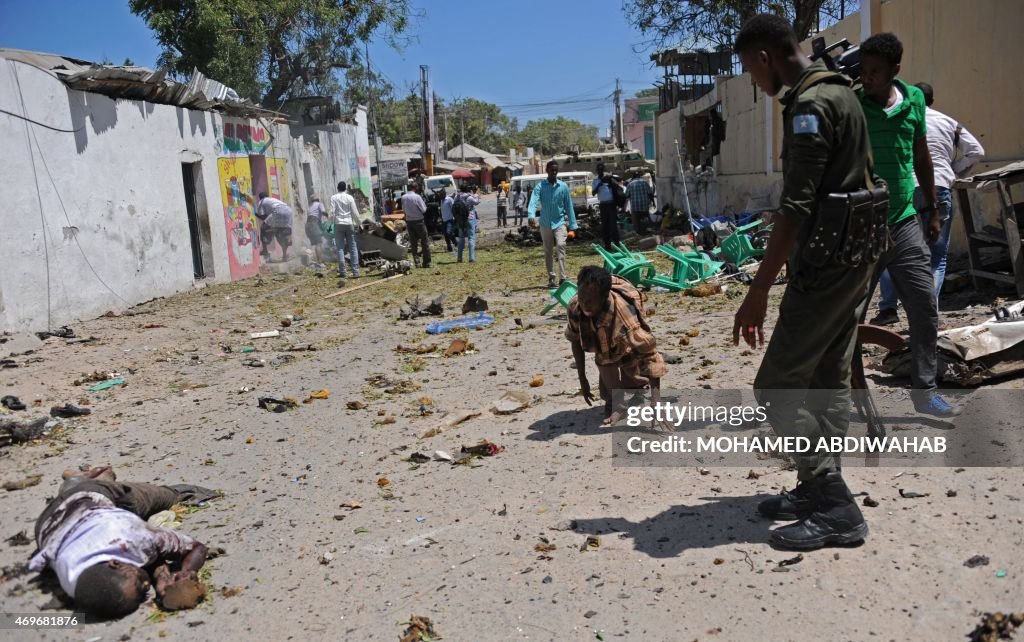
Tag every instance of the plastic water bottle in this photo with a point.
(479, 320)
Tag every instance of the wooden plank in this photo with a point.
(993, 276)
(360, 286)
(973, 256)
(991, 239)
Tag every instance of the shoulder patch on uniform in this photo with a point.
(805, 124)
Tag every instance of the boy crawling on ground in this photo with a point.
(95, 538)
(607, 318)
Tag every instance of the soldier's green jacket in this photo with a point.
(825, 143)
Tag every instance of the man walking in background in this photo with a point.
(954, 152)
(604, 186)
(415, 209)
(275, 224)
(639, 192)
(346, 225)
(315, 229)
(556, 214)
(502, 206)
(448, 221)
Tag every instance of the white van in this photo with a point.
(579, 183)
(435, 183)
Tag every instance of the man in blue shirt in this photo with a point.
(556, 213)
(448, 222)
(603, 188)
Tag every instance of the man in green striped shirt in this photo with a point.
(895, 115)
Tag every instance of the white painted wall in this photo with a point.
(95, 220)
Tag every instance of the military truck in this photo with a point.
(616, 161)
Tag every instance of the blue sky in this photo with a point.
(509, 53)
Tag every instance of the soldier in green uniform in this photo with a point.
(804, 378)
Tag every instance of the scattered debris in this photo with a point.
(355, 405)
(352, 505)
(417, 309)
(565, 525)
(323, 393)
(592, 543)
(419, 349)
(64, 333)
(909, 494)
(458, 346)
(277, 405)
(106, 384)
(22, 484)
(68, 410)
(752, 475)
(12, 403)
(950, 493)
(484, 449)
(544, 546)
(693, 332)
(472, 322)
(419, 629)
(418, 458)
(441, 455)
(870, 502)
(474, 303)
(19, 539)
(976, 561)
(270, 334)
(537, 381)
(326, 558)
(511, 402)
(703, 289)
(996, 626)
(164, 519)
(13, 431)
(281, 360)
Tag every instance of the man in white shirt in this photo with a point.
(315, 228)
(346, 226)
(95, 538)
(954, 152)
(415, 209)
(276, 223)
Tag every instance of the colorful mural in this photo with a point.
(243, 137)
(239, 220)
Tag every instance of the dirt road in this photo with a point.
(331, 532)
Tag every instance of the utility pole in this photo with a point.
(377, 146)
(618, 114)
(447, 138)
(427, 121)
(462, 129)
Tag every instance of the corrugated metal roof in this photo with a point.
(141, 83)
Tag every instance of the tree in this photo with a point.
(556, 135)
(644, 93)
(715, 23)
(269, 50)
(486, 126)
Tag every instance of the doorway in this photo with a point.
(198, 220)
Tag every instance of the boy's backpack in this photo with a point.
(460, 210)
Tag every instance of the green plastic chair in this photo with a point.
(690, 268)
(737, 247)
(562, 294)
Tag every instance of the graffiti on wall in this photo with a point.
(244, 137)
(239, 219)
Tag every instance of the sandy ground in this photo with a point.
(682, 555)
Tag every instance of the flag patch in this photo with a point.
(805, 124)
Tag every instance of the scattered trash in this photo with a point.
(17, 432)
(544, 546)
(565, 525)
(703, 289)
(511, 402)
(474, 303)
(419, 629)
(996, 626)
(270, 334)
(12, 403)
(277, 405)
(22, 484)
(352, 505)
(416, 309)
(458, 346)
(69, 410)
(484, 449)
(360, 530)
(537, 381)
(282, 359)
(19, 539)
(693, 332)
(869, 502)
(106, 384)
(950, 493)
(441, 455)
(326, 558)
(419, 349)
(592, 543)
(383, 481)
(254, 363)
(752, 475)
(977, 560)
(164, 519)
(480, 320)
(420, 520)
(418, 458)
(64, 333)
(1000, 574)
(355, 405)
(589, 614)
(909, 494)
(246, 349)
(671, 359)
(323, 393)
(287, 321)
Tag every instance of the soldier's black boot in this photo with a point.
(790, 505)
(836, 520)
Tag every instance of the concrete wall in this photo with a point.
(632, 124)
(95, 215)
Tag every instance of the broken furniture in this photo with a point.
(738, 247)
(632, 267)
(689, 268)
(371, 259)
(562, 294)
(1000, 180)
